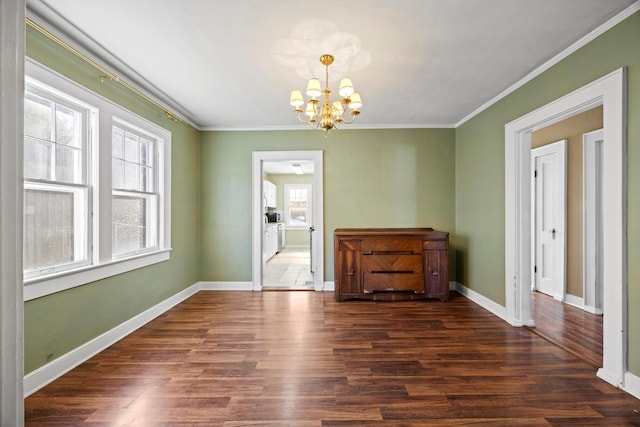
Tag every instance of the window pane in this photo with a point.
(68, 126)
(146, 179)
(131, 148)
(69, 165)
(117, 142)
(130, 222)
(131, 176)
(38, 117)
(48, 228)
(117, 173)
(146, 152)
(37, 159)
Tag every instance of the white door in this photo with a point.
(548, 164)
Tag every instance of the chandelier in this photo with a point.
(322, 112)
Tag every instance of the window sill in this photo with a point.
(43, 286)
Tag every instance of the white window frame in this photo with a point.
(103, 264)
(287, 188)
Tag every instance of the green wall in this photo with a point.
(372, 178)
(58, 323)
(480, 210)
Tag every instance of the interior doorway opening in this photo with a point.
(608, 91)
(288, 239)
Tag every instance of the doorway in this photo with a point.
(286, 266)
(290, 224)
(608, 91)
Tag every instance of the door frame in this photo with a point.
(559, 147)
(257, 216)
(609, 91)
(592, 221)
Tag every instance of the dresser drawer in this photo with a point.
(392, 245)
(393, 282)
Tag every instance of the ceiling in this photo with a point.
(231, 64)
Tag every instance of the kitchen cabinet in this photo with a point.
(270, 194)
(270, 243)
(391, 264)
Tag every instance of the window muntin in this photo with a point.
(297, 199)
(56, 188)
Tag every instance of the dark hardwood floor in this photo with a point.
(573, 329)
(300, 359)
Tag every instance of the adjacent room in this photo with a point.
(261, 212)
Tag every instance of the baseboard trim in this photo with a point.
(578, 302)
(632, 385)
(328, 287)
(42, 376)
(225, 286)
(482, 301)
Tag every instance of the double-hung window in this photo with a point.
(96, 186)
(134, 200)
(57, 194)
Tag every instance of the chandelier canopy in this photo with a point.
(322, 113)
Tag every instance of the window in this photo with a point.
(56, 190)
(134, 201)
(96, 186)
(297, 204)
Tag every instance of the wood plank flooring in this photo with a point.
(573, 329)
(301, 359)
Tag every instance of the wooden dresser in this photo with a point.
(391, 264)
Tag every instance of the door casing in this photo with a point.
(610, 92)
(257, 217)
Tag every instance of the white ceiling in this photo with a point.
(231, 64)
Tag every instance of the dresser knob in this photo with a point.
(434, 273)
(350, 272)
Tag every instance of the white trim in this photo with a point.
(592, 228)
(225, 286)
(11, 207)
(633, 8)
(328, 286)
(632, 384)
(42, 376)
(257, 216)
(578, 302)
(342, 129)
(609, 91)
(481, 300)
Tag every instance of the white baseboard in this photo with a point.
(632, 385)
(482, 301)
(225, 286)
(42, 376)
(578, 302)
(328, 287)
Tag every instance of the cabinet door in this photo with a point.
(437, 273)
(349, 273)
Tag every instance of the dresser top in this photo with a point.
(386, 231)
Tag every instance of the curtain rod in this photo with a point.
(106, 74)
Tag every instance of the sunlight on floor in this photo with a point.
(289, 269)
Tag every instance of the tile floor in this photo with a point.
(289, 269)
